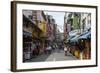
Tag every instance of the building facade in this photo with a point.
(75, 25)
(34, 23)
(51, 28)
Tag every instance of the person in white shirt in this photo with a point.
(65, 50)
(48, 50)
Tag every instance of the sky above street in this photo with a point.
(59, 18)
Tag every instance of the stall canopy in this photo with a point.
(74, 39)
(85, 36)
(27, 33)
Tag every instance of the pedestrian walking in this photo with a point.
(53, 47)
(65, 50)
(48, 50)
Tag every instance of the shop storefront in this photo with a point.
(80, 45)
(27, 45)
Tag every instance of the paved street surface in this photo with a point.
(54, 56)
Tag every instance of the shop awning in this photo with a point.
(70, 38)
(74, 39)
(27, 33)
(85, 36)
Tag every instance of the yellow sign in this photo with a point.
(42, 26)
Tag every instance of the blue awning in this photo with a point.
(27, 33)
(74, 39)
(70, 38)
(85, 36)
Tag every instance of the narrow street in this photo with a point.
(46, 31)
(54, 56)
